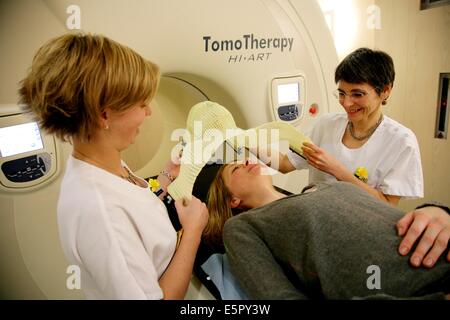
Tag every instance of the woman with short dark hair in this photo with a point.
(362, 146)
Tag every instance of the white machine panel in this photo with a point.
(27, 156)
(288, 98)
(20, 138)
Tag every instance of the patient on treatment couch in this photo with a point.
(334, 241)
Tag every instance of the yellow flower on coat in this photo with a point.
(362, 174)
(153, 184)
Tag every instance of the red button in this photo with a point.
(313, 109)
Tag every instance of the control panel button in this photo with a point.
(26, 169)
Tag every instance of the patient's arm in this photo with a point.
(432, 225)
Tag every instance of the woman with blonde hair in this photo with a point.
(95, 93)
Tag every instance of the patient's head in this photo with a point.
(245, 183)
(237, 187)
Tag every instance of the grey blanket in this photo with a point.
(337, 242)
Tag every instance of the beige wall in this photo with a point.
(348, 21)
(418, 41)
(22, 32)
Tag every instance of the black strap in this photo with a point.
(172, 211)
(445, 208)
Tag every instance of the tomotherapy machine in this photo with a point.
(264, 60)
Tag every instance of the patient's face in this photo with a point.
(244, 178)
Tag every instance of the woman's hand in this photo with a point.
(193, 216)
(175, 280)
(432, 226)
(173, 167)
(323, 161)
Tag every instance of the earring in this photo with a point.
(384, 102)
(106, 126)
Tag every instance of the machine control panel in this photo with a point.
(27, 155)
(27, 168)
(288, 96)
(289, 112)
